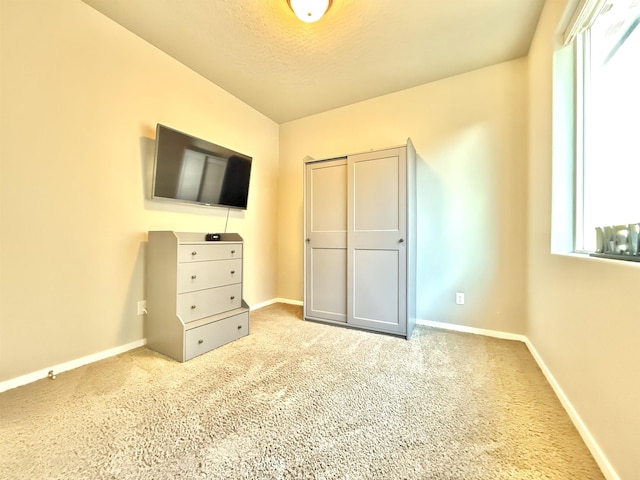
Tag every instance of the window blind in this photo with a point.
(582, 18)
(622, 17)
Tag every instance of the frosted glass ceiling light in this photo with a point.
(309, 10)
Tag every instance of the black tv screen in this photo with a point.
(189, 169)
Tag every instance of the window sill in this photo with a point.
(613, 256)
(620, 260)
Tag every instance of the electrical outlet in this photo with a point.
(142, 307)
(459, 298)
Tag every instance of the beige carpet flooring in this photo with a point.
(299, 400)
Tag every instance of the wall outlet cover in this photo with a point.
(142, 307)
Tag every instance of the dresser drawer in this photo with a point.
(203, 253)
(202, 339)
(204, 303)
(200, 275)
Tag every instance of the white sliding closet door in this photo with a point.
(377, 240)
(360, 234)
(326, 240)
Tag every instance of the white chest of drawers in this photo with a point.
(194, 293)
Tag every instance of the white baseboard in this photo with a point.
(475, 331)
(262, 304)
(70, 365)
(597, 453)
(275, 300)
(289, 301)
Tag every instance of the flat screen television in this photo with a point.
(192, 170)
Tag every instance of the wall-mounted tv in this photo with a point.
(192, 170)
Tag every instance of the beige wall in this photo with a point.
(79, 103)
(79, 99)
(470, 136)
(584, 314)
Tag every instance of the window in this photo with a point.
(607, 41)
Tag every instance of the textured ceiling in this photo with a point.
(261, 53)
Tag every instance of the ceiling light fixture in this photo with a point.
(309, 11)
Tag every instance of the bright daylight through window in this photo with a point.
(608, 129)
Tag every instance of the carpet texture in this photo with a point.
(299, 400)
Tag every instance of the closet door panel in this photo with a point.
(375, 288)
(328, 298)
(375, 195)
(328, 198)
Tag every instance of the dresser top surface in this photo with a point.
(199, 237)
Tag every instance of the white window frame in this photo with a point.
(578, 35)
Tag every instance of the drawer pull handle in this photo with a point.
(194, 253)
(193, 307)
(232, 297)
(232, 272)
(239, 327)
(200, 342)
(193, 277)
(232, 252)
